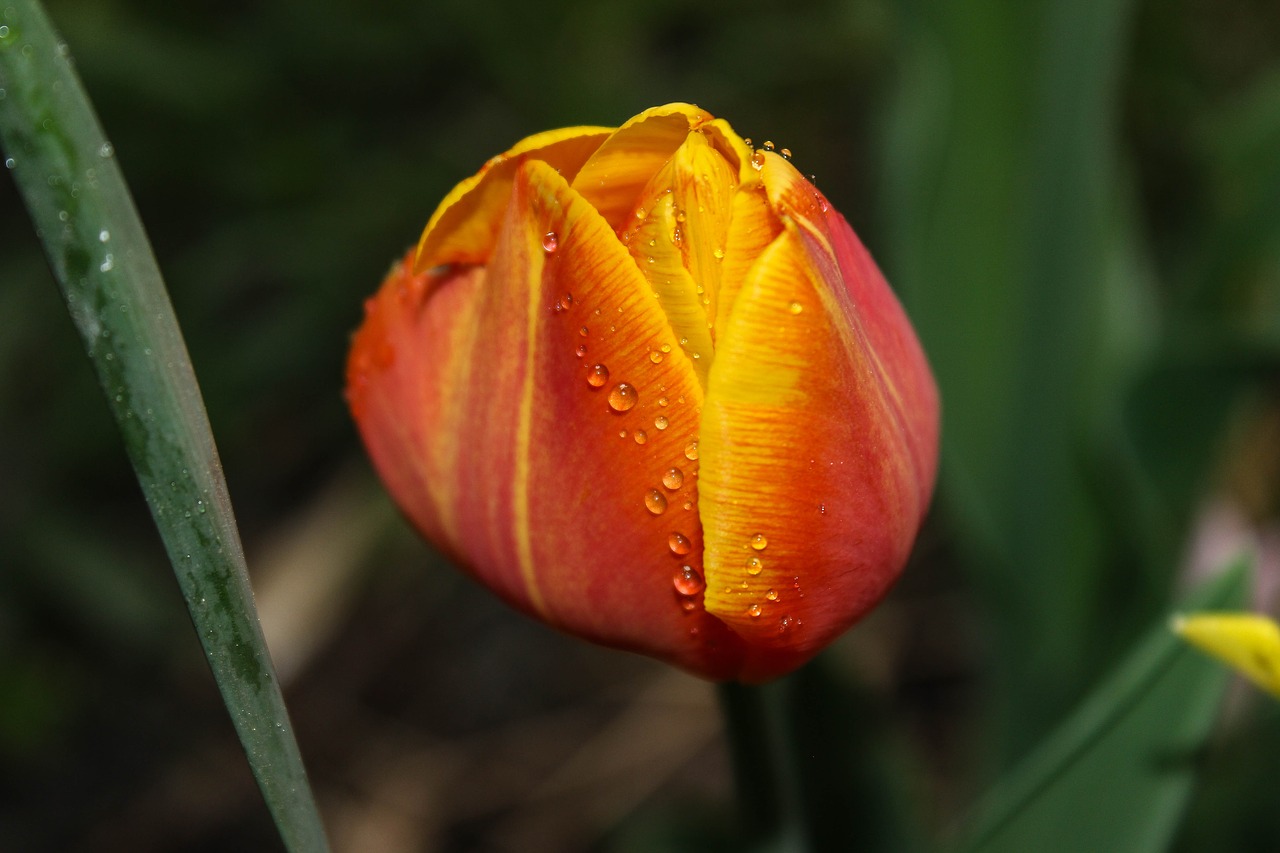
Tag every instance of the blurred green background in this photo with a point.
(1079, 203)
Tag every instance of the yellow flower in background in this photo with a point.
(1248, 642)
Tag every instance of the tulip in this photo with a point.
(1247, 642)
(648, 386)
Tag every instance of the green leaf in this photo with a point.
(66, 171)
(1116, 774)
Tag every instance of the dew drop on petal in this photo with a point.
(772, 595)
(655, 502)
(641, 436)
(687, 581)
(795, 307)
(673, 478)
(786, 153)
(581, 350)
(754, 566)
(757, 161)
(655, 357)
(691, 450)
(550, 242)
(718, 254)
(768, 145)
(661, 422)
(662, 401)
(754, 611)
(597, 375)
(679, 544)
(622, 397)
(583, 331)
(759, 542)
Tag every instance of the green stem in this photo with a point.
(69, 179)
(763, 767)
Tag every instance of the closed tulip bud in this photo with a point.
(646, 384)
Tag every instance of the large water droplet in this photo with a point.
(754, 566)
(673, 478)
(679, 544)
(581, 350)
(691, 450)
(661, 422)
(550, 242)
(795, 307)
(655, 502)
(655, 357)
(759, 542)
(757, 160)
(754, 611)
(597, 375)
(687, 581)
(641, 436)
(622, 397)
(8, 163)
(772, 595)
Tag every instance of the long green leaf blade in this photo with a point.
(1116, 775)
(73, 188)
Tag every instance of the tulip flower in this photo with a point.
(1247, 642)
(646, 384)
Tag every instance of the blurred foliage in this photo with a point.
(1079, 201)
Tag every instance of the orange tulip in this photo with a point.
(648, 386)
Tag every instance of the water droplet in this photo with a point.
(673, 479)
(655, 502)
(795, 307)
(691, 450)
(784, 624)
(718, 254)
(8, 163)
(747, 140)
(754, 611)
(63, 216)
(665, 348)
(771, 595)
(662, 401)
(107, 263)
(564, 302)
(622, 397)
(581, 350)
(655, 357)
(688, 582)
(106, 149)
(583, 331)
(104, 235)
(661, 422)
(622, 433)
(679, 544)
(597, 375)
(754, 566)
(759, 542)
(786, 153)
(689, 605)
(768, 145)
(641, 436)
(757, 161)
(550, 242)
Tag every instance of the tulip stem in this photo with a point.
(764, 775)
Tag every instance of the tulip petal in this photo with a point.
(752, 227)
(810, 496)
(464, 227)
(544, 490)
(619, 170)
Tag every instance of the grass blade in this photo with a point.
(1116, 775)
(67, 174)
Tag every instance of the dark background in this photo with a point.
(1078, 201)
